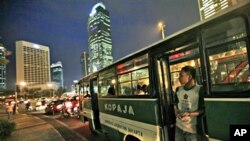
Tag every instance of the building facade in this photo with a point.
(32, 64)
(57, 74)
(99, 41)
(85, 63)
(209, 8)
(2, 68)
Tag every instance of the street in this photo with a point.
(70, 128)
(36, 125)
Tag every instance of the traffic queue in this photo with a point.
(67, 107)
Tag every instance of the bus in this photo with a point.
(219, 50)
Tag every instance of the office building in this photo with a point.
(32, 64)
(57, 74)
(99, 41)
(2, 67)
(85, 63)
(209, 8)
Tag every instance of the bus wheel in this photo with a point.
(131, 138)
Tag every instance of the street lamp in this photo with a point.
(162, 27)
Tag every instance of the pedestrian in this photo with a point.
(9, 109)
(189, 106)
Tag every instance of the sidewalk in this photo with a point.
(31, 128)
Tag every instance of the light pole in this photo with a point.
(15, 106)
(162, 27)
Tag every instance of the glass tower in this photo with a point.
(2, 68)
(99, 41)
(57, 73)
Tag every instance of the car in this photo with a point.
(54, 106)
(41, 104)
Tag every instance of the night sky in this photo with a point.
(62, 25)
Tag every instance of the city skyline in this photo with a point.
(63, 27)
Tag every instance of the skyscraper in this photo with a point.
(208, 8)
(32, 64)
(85, 63)
(57, 73)
(2, 68)
(99, 41)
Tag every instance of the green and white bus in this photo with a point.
(218, 48)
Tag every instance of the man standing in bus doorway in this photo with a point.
(189, 105)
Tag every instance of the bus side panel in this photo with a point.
(129, 117)
(221, 114)
(112, 134)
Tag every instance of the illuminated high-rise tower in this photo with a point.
(57, 73)
(2, 68)
(99, 41)
(208, 8)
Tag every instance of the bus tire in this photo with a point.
(131, 138)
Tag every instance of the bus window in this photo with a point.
(229, 65)
(135, 83)
(133, 78)
(95, 87)
(85, 90)
(140, 80)
(226, 49)
(224, 32)
(107, 81)
(125, 84)
(105, 85)
(179, 60)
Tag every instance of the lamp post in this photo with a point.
(15, 106)
(162, 27)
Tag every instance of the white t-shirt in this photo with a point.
(188, 102)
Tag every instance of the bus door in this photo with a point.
(95, 122)
(166, 96)
(171, 63)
